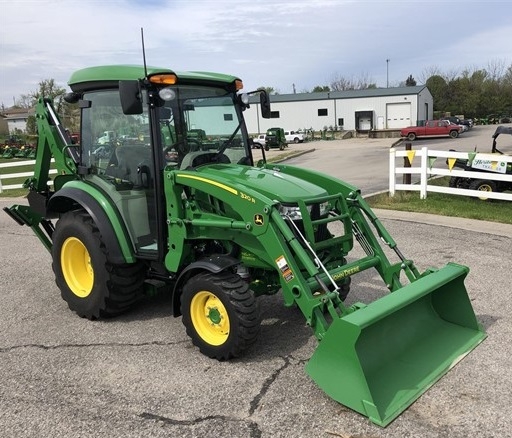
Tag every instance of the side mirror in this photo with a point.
(265, 105)
(130, 95)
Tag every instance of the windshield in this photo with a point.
(201, 125)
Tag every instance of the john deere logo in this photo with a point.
(258, 219)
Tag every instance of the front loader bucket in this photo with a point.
(379, 359)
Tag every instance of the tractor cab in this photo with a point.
(135, 129)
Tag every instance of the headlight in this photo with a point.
(324, 208)
(293, 211)
(167, 94)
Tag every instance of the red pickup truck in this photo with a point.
(432, 128)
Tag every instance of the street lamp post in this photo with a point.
(387, 73)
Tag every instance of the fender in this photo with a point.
(111, 227)
(214, 264)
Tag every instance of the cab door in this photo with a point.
(122, 165)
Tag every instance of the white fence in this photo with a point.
(426, 171)
(5, 176)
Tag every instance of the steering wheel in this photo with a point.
(193, 146)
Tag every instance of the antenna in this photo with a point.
(143, 52)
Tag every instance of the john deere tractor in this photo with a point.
(176, 203)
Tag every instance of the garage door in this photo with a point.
(398, 115)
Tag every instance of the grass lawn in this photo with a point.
(444, 204)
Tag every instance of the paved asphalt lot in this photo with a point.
(139, 375)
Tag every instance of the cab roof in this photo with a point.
(106, 76)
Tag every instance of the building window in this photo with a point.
(322, 112)
(228, 117)
(341, 122)
(274, 114)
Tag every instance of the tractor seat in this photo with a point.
(133, 164)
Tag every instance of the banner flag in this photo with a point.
(410, 156)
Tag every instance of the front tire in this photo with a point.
(411, 136)
(220, 314)
(454, 134)
(92, 286)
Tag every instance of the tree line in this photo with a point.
(472, 92)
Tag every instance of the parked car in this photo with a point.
(432, 128)
(458, 121)
(259, 141)
(294, 137)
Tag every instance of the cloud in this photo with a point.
(266, 43)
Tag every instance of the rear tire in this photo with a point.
(458, 182)
(220, 314)
(92, 286)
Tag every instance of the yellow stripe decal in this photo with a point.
(209, 181)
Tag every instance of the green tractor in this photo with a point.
(275, 138)
(10, 151)
(172, 210)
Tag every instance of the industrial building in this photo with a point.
(377, 109)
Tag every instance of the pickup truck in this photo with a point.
(293, 137)
(432, 128)
(259, 141)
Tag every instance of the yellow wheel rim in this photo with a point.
(76, 267)
(484, 188)
(210, 318)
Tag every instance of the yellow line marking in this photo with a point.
(209, 181)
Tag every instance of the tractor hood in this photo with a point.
(273, 184)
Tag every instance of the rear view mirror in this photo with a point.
(130, 95)
(265, 104)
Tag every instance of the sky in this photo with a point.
(287, 45)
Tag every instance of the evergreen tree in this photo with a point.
(410, 81)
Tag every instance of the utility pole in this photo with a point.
(387, 73)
